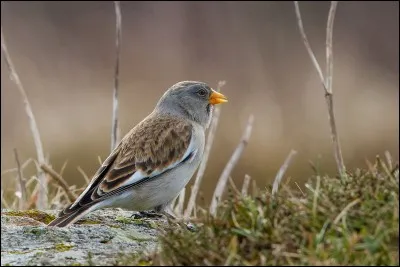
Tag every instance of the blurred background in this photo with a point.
(64, 53)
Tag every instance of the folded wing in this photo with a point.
(154, 146)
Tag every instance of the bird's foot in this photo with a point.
(146, 214)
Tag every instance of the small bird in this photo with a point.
(155, 160)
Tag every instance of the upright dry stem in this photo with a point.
(181, 200)
(114, 130)
(42, 194)
(21, 183)
(219, 190)
(282, 170)
(329, 50)
(329, 96)
(327, 82)
(203, 164)
(245, 186)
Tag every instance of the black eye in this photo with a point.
(202, 92)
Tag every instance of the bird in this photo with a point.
(155, 160)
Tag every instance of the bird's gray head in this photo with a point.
(191, 100)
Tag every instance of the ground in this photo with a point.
(100, 239)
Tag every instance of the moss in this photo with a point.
(76, 264)
(153, 225)
(125, 220)
(17, 252)
(63, 247)
(33, 214)
(35, 231)
(141, 221)
(348, 221)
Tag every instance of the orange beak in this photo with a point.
(217, 98)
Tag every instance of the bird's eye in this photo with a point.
(202, 92)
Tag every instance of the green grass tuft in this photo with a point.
(353, 221)
(63, 247)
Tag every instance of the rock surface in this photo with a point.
(101, 238)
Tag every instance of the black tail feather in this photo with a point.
(68, 217)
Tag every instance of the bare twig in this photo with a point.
(114, 130)
(307, 44)
(246, 183)
(233, 186)
(327, 82)
(219, 190)
(300, 189)
(21, 182)
(181, 200)
(346, 209)
(203, 164)
(87, 180)
(71, 196)
(329, 55)
(282, 170)
(63, 167)
(42, 194)
(389, 160)
(23, 166)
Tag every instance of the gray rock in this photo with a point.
(103, 238)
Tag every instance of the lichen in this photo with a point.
(37, 215)
(63, 247)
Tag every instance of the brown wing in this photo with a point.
(155, 145)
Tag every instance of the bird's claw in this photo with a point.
(146, 214)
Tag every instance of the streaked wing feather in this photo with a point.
(155, 145)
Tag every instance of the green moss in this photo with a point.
(35, 231)
(18, 252)
(76, 264)
(348, 221)
(141, 221)
(63, 247)
(125, 220)
(153, 225)
(33, 214)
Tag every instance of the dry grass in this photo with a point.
(353, 221)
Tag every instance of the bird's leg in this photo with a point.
(169, 213)
(165, 210)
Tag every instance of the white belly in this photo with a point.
(164, 188)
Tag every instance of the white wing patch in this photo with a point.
(137, 176)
